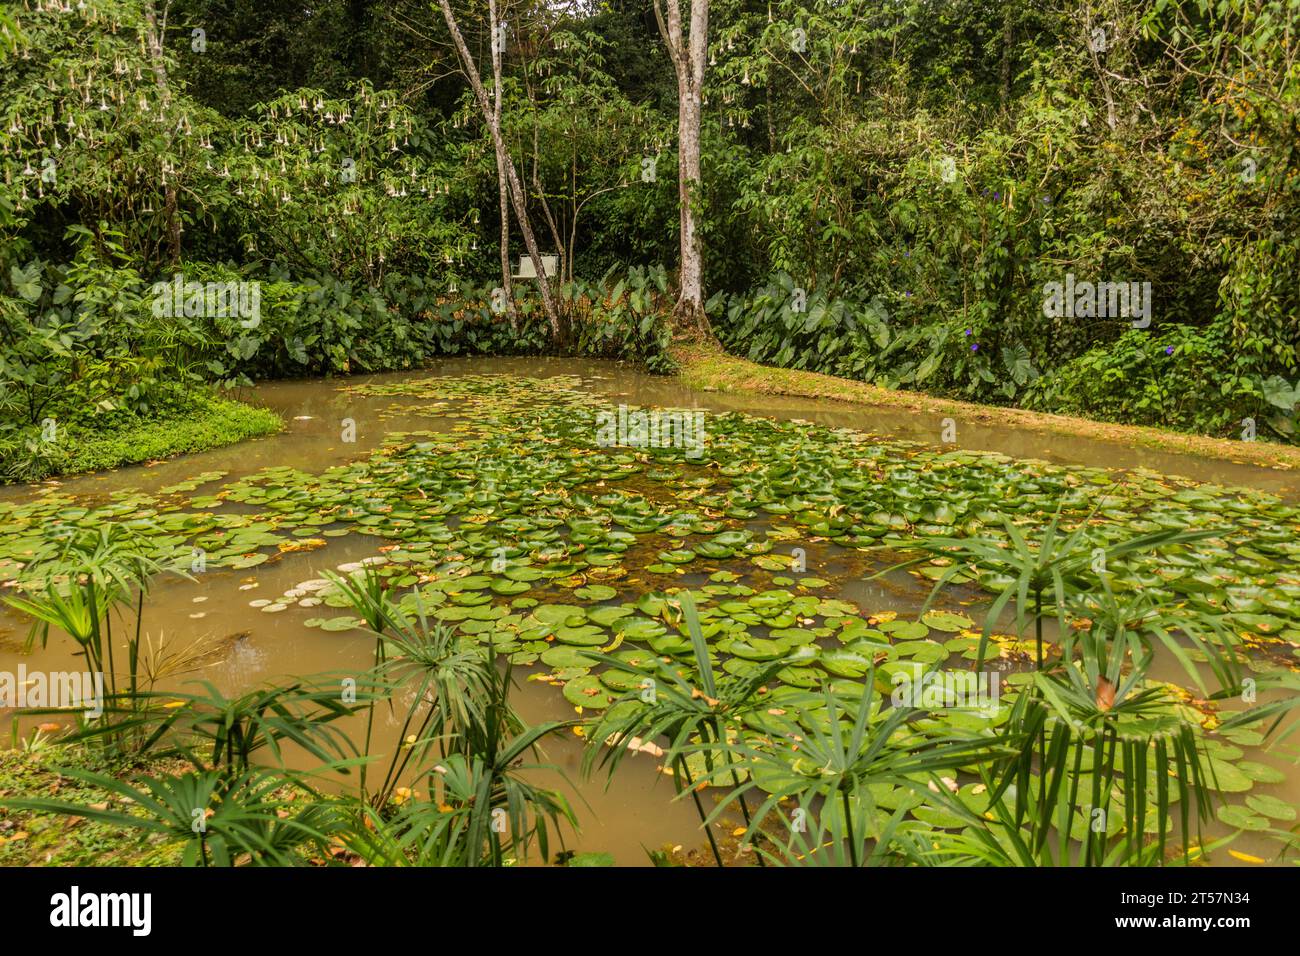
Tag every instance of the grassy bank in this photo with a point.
(204, 422)
(40, 839)
(710, 368)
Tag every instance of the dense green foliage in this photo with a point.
(887, 192)
(938, 171)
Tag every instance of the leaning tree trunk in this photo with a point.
(507, 163)
(689, 56)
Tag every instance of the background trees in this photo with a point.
(920, 169)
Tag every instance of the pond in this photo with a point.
(510, 495)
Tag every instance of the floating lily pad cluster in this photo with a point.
(508, 520)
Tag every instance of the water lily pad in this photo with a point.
(569, 614)
(904, 630)
(342, 624)
(757, 649)
(845, 663)
(585, 635)
(924, 652)
(948, 621)
(1271, 806)
(1260, 773)
(1239, 817)
(506, 586)
(670, 643)
(588, 692)
(522, 574)
(679, 556)
(565, 655)
(606, 616)
(638, 628)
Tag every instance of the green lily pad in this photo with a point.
(585, 635)
(588, 692)
(1271, 806)
(560, 614)
(1239, 817)
(845, 663)
(565, 656)
(606, 616)
(948, 621)
(680, 556)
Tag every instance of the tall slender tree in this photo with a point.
(517, 197)
(689, 55)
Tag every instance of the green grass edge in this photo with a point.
(218, 423)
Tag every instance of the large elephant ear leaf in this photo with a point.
(27, 282)
(1279, 393)
(1284, 425)
(1018, 364)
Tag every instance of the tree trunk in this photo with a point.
(503, 187)
(507, 163)
(689, 55)
(154, 39)
(690, 304)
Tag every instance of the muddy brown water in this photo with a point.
(242, 647)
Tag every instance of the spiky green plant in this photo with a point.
(1148, 618)
(708, 708)
(1100, 708)
(819, 835)
(74, 582)
(449, 687)
(447, 684)
(262, 817)
(417, 833)
(489, 773)
(366, 593)
(800, 761)
(233, 730)
(1057, 563)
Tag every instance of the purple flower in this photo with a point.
(908, 294)
(975, 347)
(1169, 350)
(997, 195)
(968, 331)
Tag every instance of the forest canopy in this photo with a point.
(887, 192)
